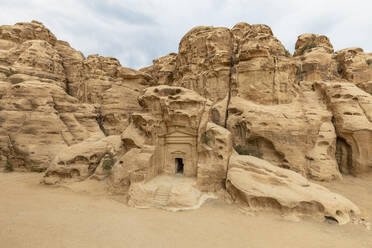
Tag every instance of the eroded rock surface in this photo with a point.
(78, 162)
(355, 65)
(259, 184)
(173, 136)
(169, 193)
(299, 136)
(39, 119)
(225, 91)
(352, 111)
(52, 97)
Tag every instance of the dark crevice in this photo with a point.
(235, 51)
(274, 86)
(229, 91)
(300, 76)
(344, 156)
(99, 120)
(68, 89)
(67, 82)
(343, 153)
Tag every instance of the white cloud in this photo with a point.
(137, 31)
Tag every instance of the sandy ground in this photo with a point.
(34, 215)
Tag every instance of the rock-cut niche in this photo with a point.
(177, 153)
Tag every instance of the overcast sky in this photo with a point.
(137, 31)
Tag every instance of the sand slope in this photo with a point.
(34, 215)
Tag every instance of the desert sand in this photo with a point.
(35, 215)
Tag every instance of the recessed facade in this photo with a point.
(176, 153)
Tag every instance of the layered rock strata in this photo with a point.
(226, 92)
(52, 97)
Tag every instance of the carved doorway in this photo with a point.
(179, 165)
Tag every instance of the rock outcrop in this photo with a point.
(104, 82)
(310, 42)
(38, 119)
(269, 101)
(352, 111)
(315, 58)
(173, 129)
(52, 97)
(354, 65)
(188, 116)
(78, 162)
(259, 184)
(163, 69)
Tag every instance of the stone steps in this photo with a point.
(162, 195)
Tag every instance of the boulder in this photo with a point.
(260, 185)
(134, 166)
(80, 161)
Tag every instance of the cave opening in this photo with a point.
(344, 156)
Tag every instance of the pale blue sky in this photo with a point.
(137, 31)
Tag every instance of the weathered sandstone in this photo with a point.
(355, 65)
(168, 134)
(352, 111)
(39, 119)
(78, 162)
(259, 184)
(52, 97)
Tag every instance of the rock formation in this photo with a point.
(189, 124)
(260, 184)
(270, 101)
(52, 97)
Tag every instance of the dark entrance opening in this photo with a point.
(344, 156)
(179, 165)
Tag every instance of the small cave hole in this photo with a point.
(74, 173)
(344, 156)
(330, 220)
(336, 96)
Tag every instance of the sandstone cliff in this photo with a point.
(52, 97)
(226, 92)
(272, 102)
